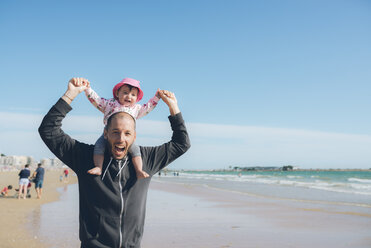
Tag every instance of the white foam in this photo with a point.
(360, 186)
(359, 180)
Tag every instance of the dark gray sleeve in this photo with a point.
(134, 150)
(71, 152)
(156, 158)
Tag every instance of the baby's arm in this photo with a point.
(149, 106)
(99, 102)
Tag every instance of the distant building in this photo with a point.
(17, 162)
(51, 162)
(287, 168)
(256, 168)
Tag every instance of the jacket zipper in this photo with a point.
(122, 205)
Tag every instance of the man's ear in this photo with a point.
(105, 133)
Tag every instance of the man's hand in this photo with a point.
(75, 87)
(170, 100)
(81, 83)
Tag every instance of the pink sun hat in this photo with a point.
(128, 81)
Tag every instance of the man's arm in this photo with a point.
(68, 150)
(156, 158)
(170, 100)
(75, 87)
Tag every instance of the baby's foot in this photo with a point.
(95, 171)
(142, 174)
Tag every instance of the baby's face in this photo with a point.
(127, 97)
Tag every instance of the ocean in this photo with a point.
(338, 187)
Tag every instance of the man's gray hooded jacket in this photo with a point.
(113, 205)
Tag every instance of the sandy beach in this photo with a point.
(181, 215)
(15, 213)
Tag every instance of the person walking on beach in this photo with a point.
(39, 179)
(65, 173)
(23, 181)
(112, 205)
(126, 94)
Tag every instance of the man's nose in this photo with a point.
(122, 137)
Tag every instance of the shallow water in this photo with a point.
(338, 187)
(56, 223)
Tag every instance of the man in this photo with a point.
(24, 182)
(112, 206)
(39, 179)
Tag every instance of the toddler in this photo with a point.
(126, 94)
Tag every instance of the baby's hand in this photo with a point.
(158, 94)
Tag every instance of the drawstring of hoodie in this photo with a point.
(106, 168)
(121, 167)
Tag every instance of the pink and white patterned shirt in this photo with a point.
(111, 106)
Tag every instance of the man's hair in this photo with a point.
(26, 165)
(113, 116)
(39, 164)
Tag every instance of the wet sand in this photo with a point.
(181, 215)
(15, 213)
(185, 215)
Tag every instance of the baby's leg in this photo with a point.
(137, 161)
(98, 156)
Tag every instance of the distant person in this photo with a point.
(5, 190)
(65, 173)
(29, 189)
(126, 95)
(113, 205)
(23, 181)
(39, 179)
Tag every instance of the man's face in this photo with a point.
(120, 134)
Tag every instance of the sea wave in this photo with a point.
(359, 186)
(359, 180)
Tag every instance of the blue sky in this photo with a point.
(260, 83)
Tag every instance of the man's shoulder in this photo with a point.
(150, 151)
